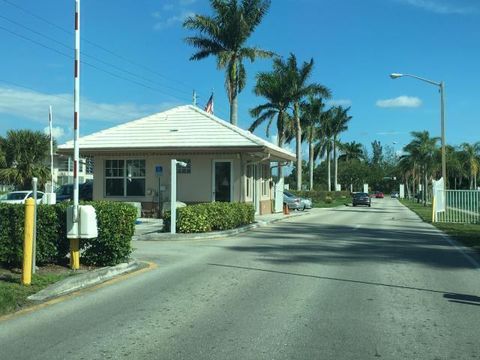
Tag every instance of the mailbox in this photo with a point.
(86, 227)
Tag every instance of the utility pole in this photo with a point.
(194, 98)
(50, 121)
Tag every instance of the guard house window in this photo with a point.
(184, 170)
(125, 178)
(89, 165)
(265, 179)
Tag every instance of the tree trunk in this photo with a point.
(329, 177)
(335, 163)
(425, 187)
(310, 163)
(280, 167)
(234, 110)
(299, 145)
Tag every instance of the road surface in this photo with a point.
(342, 283)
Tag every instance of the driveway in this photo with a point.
(342, 283)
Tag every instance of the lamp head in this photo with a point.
(395, 75)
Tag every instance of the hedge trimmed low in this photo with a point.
(324, 196)
(211, 217)
(116, 225)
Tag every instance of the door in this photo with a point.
(222, 181)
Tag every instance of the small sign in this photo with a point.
(158, 170)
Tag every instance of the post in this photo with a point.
(34, 251)
(444, 156)
(173, 197)
(194, 98)
(74, 243)
(50, 121)
(28, 242)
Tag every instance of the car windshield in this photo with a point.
(360, 194)
(16, 196)
(64, 190)
(288, 194)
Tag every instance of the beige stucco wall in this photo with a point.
(193, 187)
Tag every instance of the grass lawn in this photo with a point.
(467, 234)
(13, 295)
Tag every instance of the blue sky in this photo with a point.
(355, 45)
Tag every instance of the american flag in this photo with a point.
(209, 106)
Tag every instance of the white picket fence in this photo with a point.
(461, 206)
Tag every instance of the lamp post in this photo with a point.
(441, 86)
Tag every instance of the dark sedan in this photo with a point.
(361, 198)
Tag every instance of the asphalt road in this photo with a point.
(343, 283)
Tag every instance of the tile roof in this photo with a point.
(183, 127)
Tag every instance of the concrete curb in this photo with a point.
(87, 279)
(213, 234)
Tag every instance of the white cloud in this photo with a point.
(401, 101)
(339, 102)
(172, 14)
(166, 22)
(34, 106)
(440, 6)
(57, 132)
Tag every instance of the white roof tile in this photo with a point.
(182, 127)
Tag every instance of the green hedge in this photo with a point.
(211, 217)
(116, 225)
(318, 196)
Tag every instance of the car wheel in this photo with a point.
(369, 205)
(354, 205)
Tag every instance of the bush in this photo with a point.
(318, 196)
(328, 200)
(211, 217)
(116, 225)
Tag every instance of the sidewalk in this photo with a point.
(151, 229)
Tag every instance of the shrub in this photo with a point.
(211, 217)
(328, 200)
(115, 222)
(318, 196)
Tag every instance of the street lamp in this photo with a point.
(441, 85)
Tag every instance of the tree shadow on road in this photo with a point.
(302, 242)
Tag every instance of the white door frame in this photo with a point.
(231, 177)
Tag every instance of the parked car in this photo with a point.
(394, 195)
(361, 198)
(19, 197)
(292, 201)
(85, 192)
(304, 203)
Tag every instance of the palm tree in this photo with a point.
(298, 90)
(324, 147)
(471, 153)
(271, 85)
(423, 150)
(339, 125)
(25, 155)
(351, 151)
(311, 116)
(224, 35)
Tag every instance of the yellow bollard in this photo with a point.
(74, 254)
(28, 242)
